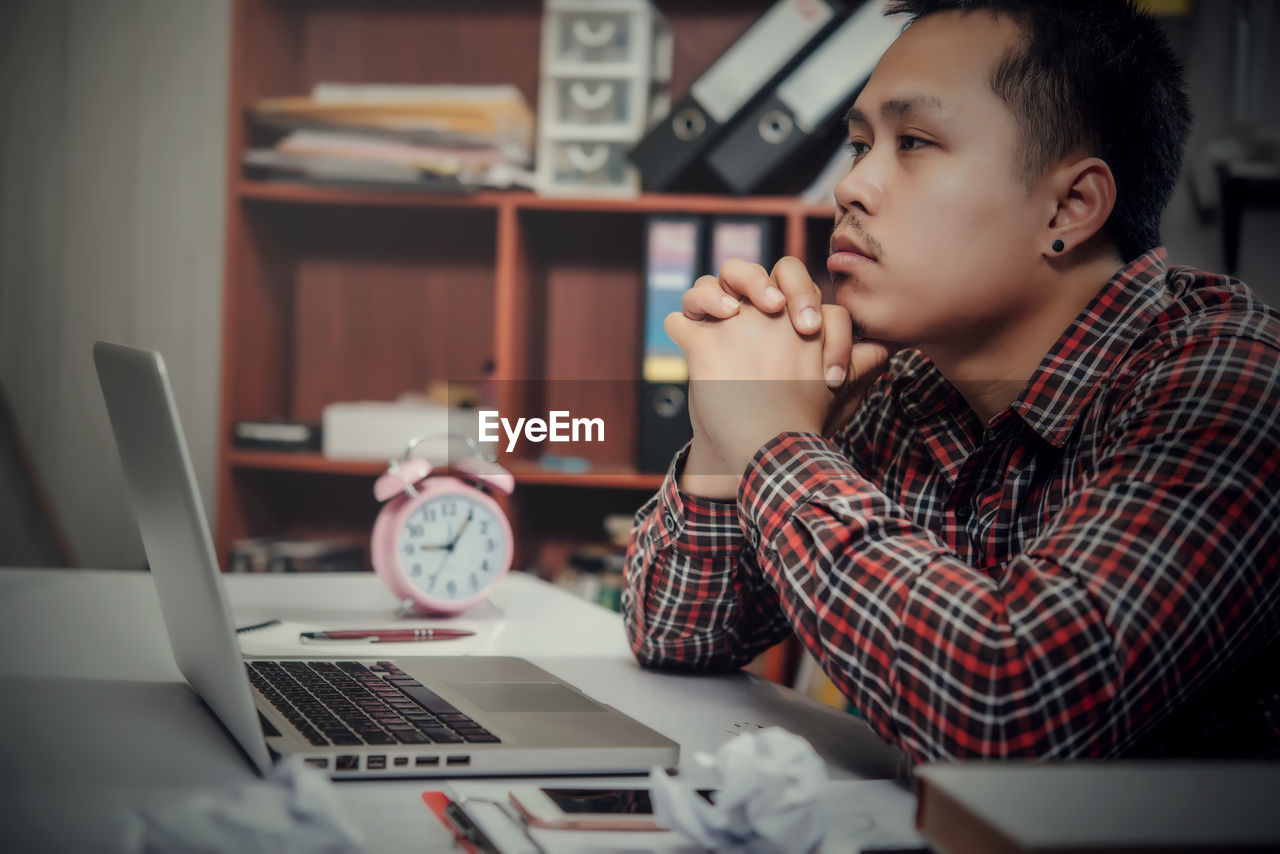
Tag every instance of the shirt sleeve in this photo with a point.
(1158, 572)
(693, 597)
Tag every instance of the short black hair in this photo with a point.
(1097, 76)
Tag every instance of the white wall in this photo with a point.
(112, 117)
(111, 179)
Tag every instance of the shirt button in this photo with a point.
(669, 519)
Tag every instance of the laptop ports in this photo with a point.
(402, 761)
(424, 761)
(458, 760)
(347, 762)
(375, 763)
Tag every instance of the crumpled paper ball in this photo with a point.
(294, 811)
(772, 797)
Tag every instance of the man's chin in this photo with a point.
(863, 331)
(848, 300)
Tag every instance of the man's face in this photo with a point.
(934, 195)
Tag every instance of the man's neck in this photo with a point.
(993, 373)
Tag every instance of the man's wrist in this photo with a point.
(706, 476)
(746, 446)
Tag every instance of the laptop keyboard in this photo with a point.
(346, 703)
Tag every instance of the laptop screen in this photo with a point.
(175, 533)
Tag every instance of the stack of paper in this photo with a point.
(439, 137)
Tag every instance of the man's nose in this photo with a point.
(861, 188)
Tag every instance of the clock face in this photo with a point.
(452, 546)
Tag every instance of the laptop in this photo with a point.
(451, 716)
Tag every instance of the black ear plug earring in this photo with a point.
(1058, 246)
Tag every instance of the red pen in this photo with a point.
(387, 635)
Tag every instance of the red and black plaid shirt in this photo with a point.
(1095, 572)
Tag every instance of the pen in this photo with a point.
(388, 635)
(268, 624)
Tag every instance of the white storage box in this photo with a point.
(606, 65)
(380, 430)
(613, 36)
(587, 167)
(573, 105)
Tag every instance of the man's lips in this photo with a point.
(843, 243)
(847, 255)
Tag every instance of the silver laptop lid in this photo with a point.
(175, 533)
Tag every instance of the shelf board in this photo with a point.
(303, 462)
(522, 200)
(664, 203)
(601, 477)
(526, 472)
(311, 194)
(818, 211)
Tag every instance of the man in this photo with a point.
(1048, 524)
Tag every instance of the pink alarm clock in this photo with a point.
(442, 542)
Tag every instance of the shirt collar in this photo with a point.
(1092, 347)
(921, 389)
(1071, 372)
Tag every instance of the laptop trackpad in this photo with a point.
(524, 697)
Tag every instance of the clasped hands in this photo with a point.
(765, 357)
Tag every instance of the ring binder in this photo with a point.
(744, 72)
(804, 103)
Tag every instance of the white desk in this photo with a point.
(95, 720)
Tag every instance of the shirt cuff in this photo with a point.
(782, 475)
(695, 526)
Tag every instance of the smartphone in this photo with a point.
(488, 826)
(589, 809)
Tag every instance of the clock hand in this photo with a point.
(462, 527)
(456, 537)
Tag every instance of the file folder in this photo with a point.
(747, 70)
(678, 250)
(751, 238)
(673, 259)
(802, 106)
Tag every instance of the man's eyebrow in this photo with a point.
(899, 107)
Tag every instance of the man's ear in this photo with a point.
(1085, 192)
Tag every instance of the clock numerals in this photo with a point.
(451, 547)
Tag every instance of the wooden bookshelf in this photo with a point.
(524, 471)
(521, 200)
(333, 294)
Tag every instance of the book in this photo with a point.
(276, 435)
(297, 554)
(1099, 807)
